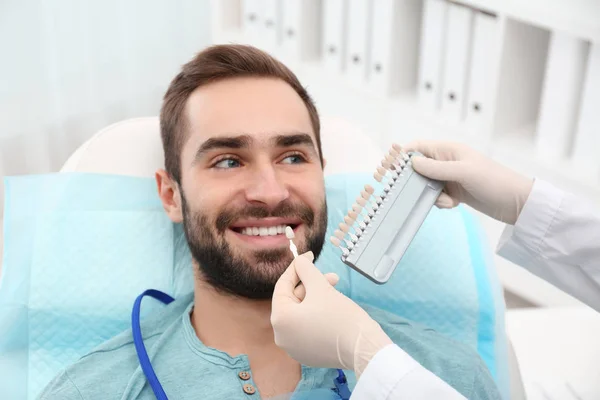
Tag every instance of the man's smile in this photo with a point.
(265, 232)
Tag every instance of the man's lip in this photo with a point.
(266, 222)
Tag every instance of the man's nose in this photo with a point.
(267, 187)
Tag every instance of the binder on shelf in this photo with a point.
(561, 95)
(334, 28)
(587, 138)
(226, 14)
(357, 34)
(270, 25)
(431, 54)
(524, 52)
(394, 45)
(457, 45)
(300, 30)
(482, 74)
(252, 12)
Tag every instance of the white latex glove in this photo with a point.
(472, 178)
(332, 278)
(325, 328)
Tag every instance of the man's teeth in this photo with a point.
(263, 230)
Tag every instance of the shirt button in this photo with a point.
(244, 375)
(249, 389)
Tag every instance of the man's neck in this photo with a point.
(231, 324)
(237, 326)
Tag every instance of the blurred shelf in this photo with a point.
(580, 18)
(399, 118)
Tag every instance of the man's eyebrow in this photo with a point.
(293, 140)
(230, 142)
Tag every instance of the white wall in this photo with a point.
(71, 67)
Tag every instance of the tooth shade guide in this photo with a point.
(354, 216)
(390, 159)
(361, 225)
(398, 149)
(339, 234)
(368, 203)
(358, 211)
(289, 232)
(338, 243)
(381, 173)
(400, 157)
(403, 192)
(368, 199)
(353, 238)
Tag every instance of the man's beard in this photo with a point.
(233, 273)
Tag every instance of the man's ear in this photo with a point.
(324, 163)
(170, 196)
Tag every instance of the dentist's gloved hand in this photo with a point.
(325, 328)
(472, 178)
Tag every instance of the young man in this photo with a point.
(243, 160)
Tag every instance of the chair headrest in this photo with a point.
(133, 147)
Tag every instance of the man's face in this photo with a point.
(249, 169)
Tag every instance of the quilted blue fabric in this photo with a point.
(80, 247)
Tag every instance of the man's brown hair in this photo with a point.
(213, 64)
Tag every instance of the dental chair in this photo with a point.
(133, 148)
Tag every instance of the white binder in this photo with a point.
(586, 151)
(300, 33)
(394, 45)
(225, 13)
(252, 13)
(482, 72)
(357, 32)
(334, 27)
(457, 45)
(561, 96)
(431, 54)
(270, 25)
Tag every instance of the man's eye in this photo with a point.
(227, 163)
(293, 159)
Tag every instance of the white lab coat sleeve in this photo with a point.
(557, 237)
(394, 374)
